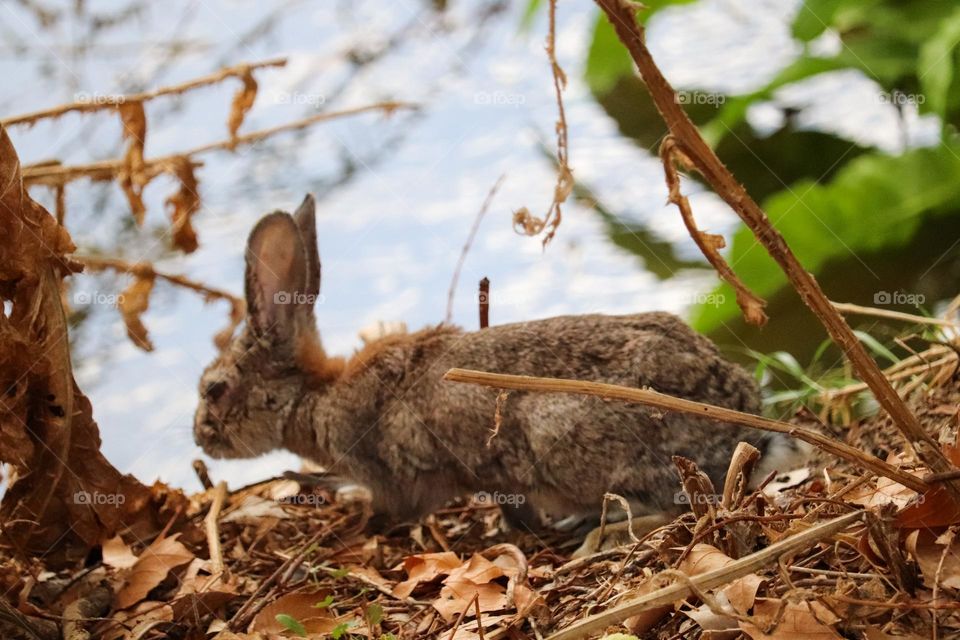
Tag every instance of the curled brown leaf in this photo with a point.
(242, 103)
(185, 202)
(133, 177)
(134, 300)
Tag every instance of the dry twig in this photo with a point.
(466, 246)
(112, 102)
(709, 243)
(671, 403)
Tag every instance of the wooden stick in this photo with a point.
(846, 307)
(484, 302)
(706, 581)
(211, 524)
(111, 102)
(621, 14)
(690, 407)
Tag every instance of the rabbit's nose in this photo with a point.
(207, 431)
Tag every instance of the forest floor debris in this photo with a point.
(300, 561)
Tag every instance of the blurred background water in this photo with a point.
(397, 195)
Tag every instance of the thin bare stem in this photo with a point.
(54, 174)
(846, 307)
(112, 102)
(466, 246)
(709, 243)
(146, 270)
(690, 407)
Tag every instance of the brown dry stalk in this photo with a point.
(706, 581)
(146, 270)
(709, 243)
(212, 528)
(846, 307)
(466, 246)
(524, 221)
(621, 14)
(112, 102)
(55, 174)
(691, 407)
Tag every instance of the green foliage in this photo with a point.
(374, 614)
(861, 210)
(292, 624)
(338, 631)
(325, 603)
(836, 203)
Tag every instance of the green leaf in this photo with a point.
(337, 632)
(813, 18)
(607, 58)
(874, 345)
(339, 573)
(291, 624)
(529, 14)
(936, 65)
(875, 202)
(374, 613)
(326, 602)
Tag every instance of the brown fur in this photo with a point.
(387, 419)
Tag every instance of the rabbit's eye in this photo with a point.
(214, 391)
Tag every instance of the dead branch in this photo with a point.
(55, 174)
(467, 245)
(709, 580)
(709, 243)
(847, 308)
(112, 102)
(146, 270)
(670, 403)
(621, 14)
(484, 302)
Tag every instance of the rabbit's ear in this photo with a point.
(276, 277)
(305, 217)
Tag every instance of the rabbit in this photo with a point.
(385, 418)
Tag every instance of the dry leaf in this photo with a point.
(133, 177)
(117, 554)
(929, 550)
(185, 202)
(741, 592)
(242, 103)
(886, 491)
(457, 594)
(47, 510)
(424, 568)
(300, 606)
(137, 621)
(253, 509)
(134, 300)
(790, 621)
(717, 625)
(151, 569)
(934, 508)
